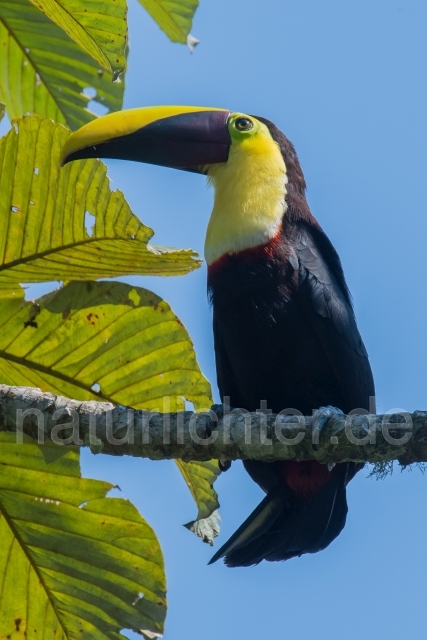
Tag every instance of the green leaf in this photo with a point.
(174, 17)
(200, 477)
(101, 340)
(74, 564)
(99, 28)
(43, 210)
(43, 71)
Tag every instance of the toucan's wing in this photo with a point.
(324, 299)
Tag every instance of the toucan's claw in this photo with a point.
(320, 418)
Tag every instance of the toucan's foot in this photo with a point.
(224, 465)
(320, 418)
(220, 409)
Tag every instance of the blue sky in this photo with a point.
(346, 82)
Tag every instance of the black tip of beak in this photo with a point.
(81, 154)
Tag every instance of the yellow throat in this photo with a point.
(250, 191)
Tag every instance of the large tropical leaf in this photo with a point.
(101, 340)
(174, 17)
(43, 209)
(109, 340)
(43, 71)
(99, 28)
(74, 564)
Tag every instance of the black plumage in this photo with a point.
(285, 333)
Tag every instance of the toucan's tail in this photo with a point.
(284, 526)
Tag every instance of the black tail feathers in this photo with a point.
(282, 526)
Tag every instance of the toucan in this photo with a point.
(284, 329)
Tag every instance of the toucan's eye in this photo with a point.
(244, 124)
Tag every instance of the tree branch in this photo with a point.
(118, 430)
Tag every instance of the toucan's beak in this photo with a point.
(178, 137)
